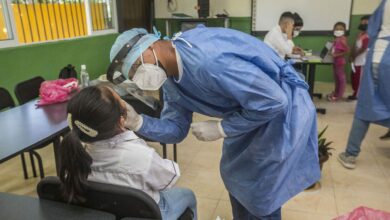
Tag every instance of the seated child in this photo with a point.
(339, 50)
(99, 148)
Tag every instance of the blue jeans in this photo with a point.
(174, 201)
(241, 213)
(356, 136)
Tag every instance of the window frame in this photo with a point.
(10, 21)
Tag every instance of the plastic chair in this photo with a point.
(118, 200)
(7, 102)
(26, 91)
(121, 201)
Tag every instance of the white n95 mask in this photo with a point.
(338, 33)
(149, 76)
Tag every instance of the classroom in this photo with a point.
(195, 109)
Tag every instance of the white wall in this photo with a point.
(242, 8)
(364, 6)
(235, 8)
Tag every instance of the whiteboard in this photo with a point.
(317, 15)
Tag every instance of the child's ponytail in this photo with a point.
(75, 166)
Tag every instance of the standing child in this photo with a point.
(358, 56)
(339, 50)
(114, 155)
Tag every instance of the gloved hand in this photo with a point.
(208, 130)
(133, 119)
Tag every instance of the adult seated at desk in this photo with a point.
(114, 155)
(280, 37)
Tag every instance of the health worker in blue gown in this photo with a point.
(374, 93)
(266, 116)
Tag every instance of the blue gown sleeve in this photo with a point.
(172, 127)
(261, 99)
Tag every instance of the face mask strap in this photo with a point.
(155, 57)
(142, 58)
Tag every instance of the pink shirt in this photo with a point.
(339, 45)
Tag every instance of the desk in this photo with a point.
(26, 127)
(309, 69)
(15, 207)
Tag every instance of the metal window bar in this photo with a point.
(24, 39)
(76, 23)
(71, 17)
(79, 8)
(105, 14)
(66, 19)
(55, 19)
(94, 17)
(29, 22)
(48, 18)
(36, 20)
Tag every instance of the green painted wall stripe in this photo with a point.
(47, 59)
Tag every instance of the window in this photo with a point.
(47, 20)
(101, 14)
(5, 27)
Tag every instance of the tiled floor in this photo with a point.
(340, 190)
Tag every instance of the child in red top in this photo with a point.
(358, 55)
(339, 50)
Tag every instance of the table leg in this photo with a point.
(175, 152)
(311, 77)
(311, 80)
(164, 150)
(56, 146)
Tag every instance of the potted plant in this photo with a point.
(323, 148)
(324, 151)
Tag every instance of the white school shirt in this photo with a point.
(361, 59)
(127, 160)
(380, 44)
(278, 41)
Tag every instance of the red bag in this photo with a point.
(364, 213)
(57, 91)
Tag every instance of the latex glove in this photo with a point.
(133, 119)
(208, 130)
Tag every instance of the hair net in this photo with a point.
(137, 49)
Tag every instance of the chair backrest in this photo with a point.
(28, 90)
(6, 100)
(118, 200)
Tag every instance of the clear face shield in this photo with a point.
(121, 84)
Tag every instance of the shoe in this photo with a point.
(352, 97)
(347, 161)
(332, 99)
(385, 136)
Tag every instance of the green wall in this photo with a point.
(47, 59)
(316, 43)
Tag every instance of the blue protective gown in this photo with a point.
(374, 100)
(271, 151)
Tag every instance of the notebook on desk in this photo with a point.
(324, 56)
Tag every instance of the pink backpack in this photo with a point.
(57, 91)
